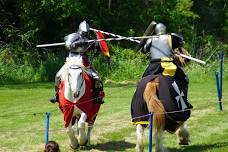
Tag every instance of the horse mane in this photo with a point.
(71, 61)
(179, 60)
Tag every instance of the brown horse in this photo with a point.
(153, 94)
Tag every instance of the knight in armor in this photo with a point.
(77, 44)
(161, 48)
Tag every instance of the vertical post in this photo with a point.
(218, 91)
(150, 133)
(221, 69)
(47, 127)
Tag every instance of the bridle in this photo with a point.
(77, 67)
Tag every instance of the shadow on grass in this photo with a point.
(111, 146)
(199, 148)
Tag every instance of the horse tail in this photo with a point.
(154, 104)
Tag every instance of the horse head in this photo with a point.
(74, 79)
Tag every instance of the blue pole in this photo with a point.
(47, 127)
(221, 69)
(218, 91)
(151, 133)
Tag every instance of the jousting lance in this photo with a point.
(145, 37)
(119, 38)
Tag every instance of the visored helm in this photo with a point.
(160, 29)
(83, 28)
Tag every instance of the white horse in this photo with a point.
(76, 101)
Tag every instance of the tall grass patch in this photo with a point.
(125, 64)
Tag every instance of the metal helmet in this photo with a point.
(160, 29)
(83, 28)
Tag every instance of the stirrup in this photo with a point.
(99, 100)
(53, 100)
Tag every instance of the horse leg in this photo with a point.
(81, 128)
(90, 127)
(73, 139)
(139, 138)
(158, 136)
(76, 128)
(183, 135)
(154, 105)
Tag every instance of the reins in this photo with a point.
(83, 70)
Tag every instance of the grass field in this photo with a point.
(23, 107)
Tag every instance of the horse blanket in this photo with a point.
(173, 95)
(85, 103)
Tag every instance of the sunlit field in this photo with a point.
(23, 108)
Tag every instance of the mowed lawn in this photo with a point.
(23, 108)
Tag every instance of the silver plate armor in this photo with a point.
(159, 46)
(83, 27)
(160, 29)
(71, 38)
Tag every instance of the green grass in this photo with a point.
(23, 107)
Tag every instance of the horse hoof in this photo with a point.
(82, 147)
(74, 147)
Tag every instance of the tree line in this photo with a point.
(26, 23)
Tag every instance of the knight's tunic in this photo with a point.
(172, 92)
(173, 83)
